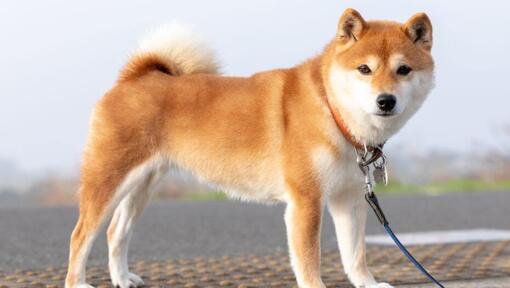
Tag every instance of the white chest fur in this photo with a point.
(337, 174)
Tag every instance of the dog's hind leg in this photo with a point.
(110, 171)
(94, 209)
(105, 185)
(121, 227)
(82, 239)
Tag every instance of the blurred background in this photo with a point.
(59, 57)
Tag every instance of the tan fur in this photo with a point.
(245, 134)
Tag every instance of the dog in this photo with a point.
(281, 135)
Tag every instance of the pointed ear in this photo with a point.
(350, 26)
(419, 29)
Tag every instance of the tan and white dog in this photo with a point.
(269, 137)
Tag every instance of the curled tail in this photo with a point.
(172, 49)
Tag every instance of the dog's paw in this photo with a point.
(83, 285)
(379, 285)
(129, 281)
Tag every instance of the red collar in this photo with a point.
(342, 126)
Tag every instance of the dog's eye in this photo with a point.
(404, 70)
(364, 69)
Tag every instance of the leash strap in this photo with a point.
(374, 203)
(364, 162)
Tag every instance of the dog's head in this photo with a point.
(378, 73)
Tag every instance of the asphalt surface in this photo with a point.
(34, 237)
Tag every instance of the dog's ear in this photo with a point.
(350, 26)
(419, 29)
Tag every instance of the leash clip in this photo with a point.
(365, 158)
(361, 156)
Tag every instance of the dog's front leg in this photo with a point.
(349, 212)
(303, 220)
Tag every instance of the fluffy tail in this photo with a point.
(172, 49)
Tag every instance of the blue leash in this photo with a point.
(410, 257)
(380, 175)
(374, 203)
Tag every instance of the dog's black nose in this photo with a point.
(386, 102)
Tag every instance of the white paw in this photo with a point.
(83, 285)
(130, 280)
(378, 285)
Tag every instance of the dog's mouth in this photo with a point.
(385, 114)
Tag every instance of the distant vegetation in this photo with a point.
(454, 185)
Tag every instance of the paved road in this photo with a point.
(38, 237)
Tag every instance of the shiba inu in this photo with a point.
(281, 135)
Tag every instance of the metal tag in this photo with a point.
(380, 174)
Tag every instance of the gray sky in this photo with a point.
(58, 57)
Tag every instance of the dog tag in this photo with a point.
(380, 175)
